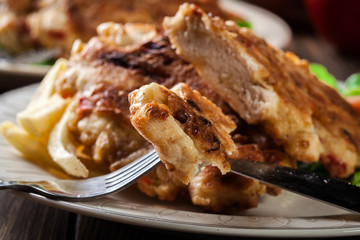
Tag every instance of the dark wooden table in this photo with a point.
(21, 218)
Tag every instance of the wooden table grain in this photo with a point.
(22, 218)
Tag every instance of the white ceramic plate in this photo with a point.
(23, 69)
(287, 215)
(265, 24)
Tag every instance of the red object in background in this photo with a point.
(337, 21)
(355, 103)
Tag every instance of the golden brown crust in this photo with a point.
(102, 73)
(120, 59)
(162, 184)
(217, 192)
(184, 134)
(98, 78)
(269, 87)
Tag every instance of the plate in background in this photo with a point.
(265, 24)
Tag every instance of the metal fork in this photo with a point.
(87, 189)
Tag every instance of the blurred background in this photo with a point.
(323, 31)
(338, 22)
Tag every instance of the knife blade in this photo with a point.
(326, 189)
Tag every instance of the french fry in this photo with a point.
(40, 119)
(43, 136)
(47, 86)
(25, 143)
(62, 150)
(30, 147)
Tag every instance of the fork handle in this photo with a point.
(6, 184)
(13, 185)
(329, 190)
(30, 187)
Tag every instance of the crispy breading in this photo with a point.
(217, 192)
(271, 88)
(162, 184)
(186, 129)
(102, 73)
(98, 77)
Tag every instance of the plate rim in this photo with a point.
(187, 227)
(23, 69)
(255, 13)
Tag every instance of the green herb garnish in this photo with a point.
(323, 74)
(352, 85)
(242, 23)
(355, 179)
(316, 167)
(48, 62)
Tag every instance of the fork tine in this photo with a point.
(130, 165)
(124, 182)
(134, 172)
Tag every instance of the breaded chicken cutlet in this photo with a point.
(186, 129)
(192, 137)
(271, 88)
(122, 58)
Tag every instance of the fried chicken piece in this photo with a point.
(120, 59)
(50, 27)
(268, 87)
(162, 184)
(182, 128)
(101, 128)
(217, 192)
(186, 129)
(14, 34)
(103, 71)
